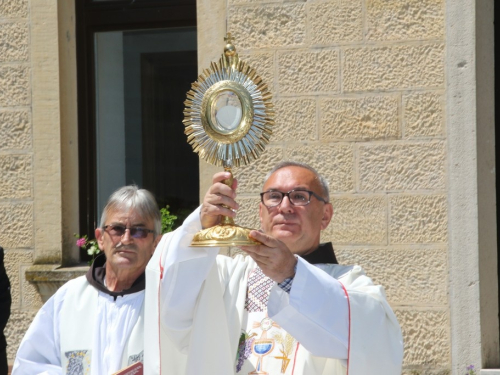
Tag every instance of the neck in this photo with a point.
(303, 252)
(121, 280)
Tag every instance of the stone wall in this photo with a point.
(359, 93)
(16, 164)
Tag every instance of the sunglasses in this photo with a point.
(117, 230)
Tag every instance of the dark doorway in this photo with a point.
(168, 167)
(135, 62)
(497, 131)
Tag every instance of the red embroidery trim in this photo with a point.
(295, 357)
(349, 336)
(161, 265)
(159, 295)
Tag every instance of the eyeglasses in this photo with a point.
(117, 230)
(297, 197)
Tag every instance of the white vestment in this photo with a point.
(202, 312)
(193, 315)
(81, 330)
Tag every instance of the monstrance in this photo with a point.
(229, 119)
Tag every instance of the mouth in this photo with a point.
(284, 224)
(125, 250)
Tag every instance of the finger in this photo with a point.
(261, 253)
(222, 177)
(217, 210)
(221, 199)
(262, 260)
(263, 238)
(251, 249)
(220, 188)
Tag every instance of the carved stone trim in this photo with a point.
(47, 278)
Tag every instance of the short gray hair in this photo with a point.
(290, 163)
(131, 197)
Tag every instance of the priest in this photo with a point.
(287, 307)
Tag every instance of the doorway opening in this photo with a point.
(136, 62)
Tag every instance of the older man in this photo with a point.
(94, 324)
(287, 308)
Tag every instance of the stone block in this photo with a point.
(334, 162)
(31, 298)
(335, 22)
(421, 370)
(268, 25)
(16, 219)
(14, 262)
(17, 326)
(252, 2)
(263, 63)
(308, 72)
(408, 275)
(17, 179)
(423, 115)
(418, 219)
(251, 177)
(396, 167)
(295, 120)
(14, 9)
(364, 118)
(426, 337)
(13, 42)
(15, 132)
(393, 67)
(405, 19)
(358, 221)
(14, 86)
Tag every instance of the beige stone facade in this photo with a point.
(392, 100)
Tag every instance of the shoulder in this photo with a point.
(72, 286)
(347, 274)
(56, 302)
(338, 270)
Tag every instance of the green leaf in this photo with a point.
(167, 220)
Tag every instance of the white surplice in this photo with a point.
(341, 320)
(81, 330)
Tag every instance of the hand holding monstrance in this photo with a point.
(228, 119)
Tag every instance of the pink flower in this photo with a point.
(81, 242)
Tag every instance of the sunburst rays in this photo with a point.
(248, 142)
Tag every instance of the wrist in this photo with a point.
(286, 284)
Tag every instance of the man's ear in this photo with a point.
(99, 237)
(327, 215)
(260, 212)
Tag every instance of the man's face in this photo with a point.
(299, 227)
(125, 254)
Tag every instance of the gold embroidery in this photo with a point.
(286, 342)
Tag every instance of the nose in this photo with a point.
(126, 237)
(286, 205)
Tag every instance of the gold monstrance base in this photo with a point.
(223, 235)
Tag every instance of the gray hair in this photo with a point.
(289, 163)
(131, 197)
